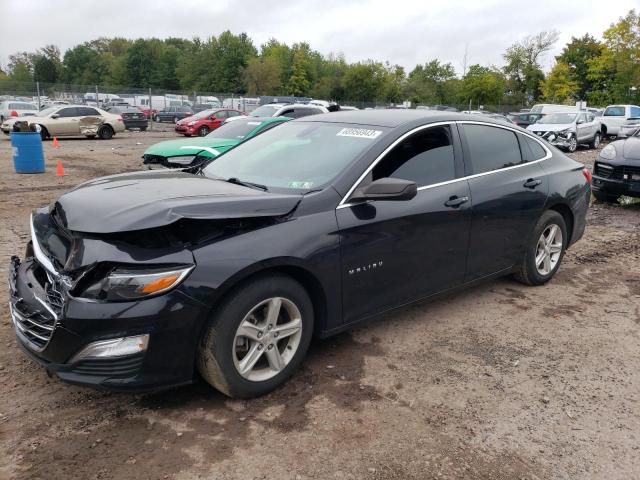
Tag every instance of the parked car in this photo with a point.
(629, 128)
(615, 116)
(200, 107)
(12, 108)
(204, 122)
(291, 110)
(305, 230)
(173, 114)
(616, 171)
(132, 117)
(187, 153)
(546, 108)
(569, 129)
(525, 119)
(500, 118)
(66, 120)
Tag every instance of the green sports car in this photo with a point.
(188, 152)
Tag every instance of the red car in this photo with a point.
(203, 122)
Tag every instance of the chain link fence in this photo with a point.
(45, 94)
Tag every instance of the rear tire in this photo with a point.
(534, 269)
(105, 132)
(595, 143)
(44, 134)
(143, 129)
(224, 347)
(604, 197)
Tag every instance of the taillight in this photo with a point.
(587, 174)
(14, 113)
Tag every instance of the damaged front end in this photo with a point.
(561, 139)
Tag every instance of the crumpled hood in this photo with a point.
(631, 148)
(549, 127)
(190, 146)
(141, 200)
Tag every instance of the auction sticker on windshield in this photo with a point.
(358, 132)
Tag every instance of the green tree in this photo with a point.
(299, 84)
(262, 76)
(523, 65)
(432, 83)
(559, 86)
(576, 56)
(482, 86)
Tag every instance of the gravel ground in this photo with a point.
(502, 381)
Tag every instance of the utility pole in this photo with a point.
(97, 97)
(38, 92)
(150, 111)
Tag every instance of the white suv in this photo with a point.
(615, 116)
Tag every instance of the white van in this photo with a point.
(546, 108)
(616, 115)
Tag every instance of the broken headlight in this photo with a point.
(128, 284)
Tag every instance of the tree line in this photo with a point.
(600, 72)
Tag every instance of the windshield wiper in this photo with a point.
(237, 181)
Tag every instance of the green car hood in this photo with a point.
(191, 146)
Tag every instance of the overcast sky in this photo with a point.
(400, 31)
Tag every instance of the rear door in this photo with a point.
(397, 251)
(508, 189)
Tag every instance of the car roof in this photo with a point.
(394, 118)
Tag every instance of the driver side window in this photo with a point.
(426, 157)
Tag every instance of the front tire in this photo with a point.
(545, 250)
(257, 337)
(573, 144)
(203, 131)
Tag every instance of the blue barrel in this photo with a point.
(28, 156)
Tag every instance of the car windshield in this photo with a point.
(238, 129)
(204, 113)
(558, 118)
(296, 156)
(264, 111)
(47, 111)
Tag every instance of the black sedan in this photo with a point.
(616, 171)
(137, 281)
(524, 119)
(132, 117)
(173, 114)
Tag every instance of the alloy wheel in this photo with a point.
(573, 144)
(267, 339)
(549, 249)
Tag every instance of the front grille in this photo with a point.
(55, 299)
(33, 324)
(628, 171)
(603, 170)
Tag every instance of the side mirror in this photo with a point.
(55, 115)
(387, 189)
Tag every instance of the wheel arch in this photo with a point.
(284, 266)
(564, 210)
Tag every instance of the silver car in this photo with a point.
(16, 108)
(629, 128)
(567, 130)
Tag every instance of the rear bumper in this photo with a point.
(141, 123)
(172, 321)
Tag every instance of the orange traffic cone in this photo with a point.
(55, 142)
(60, 170)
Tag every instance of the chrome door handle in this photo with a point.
(455, 201)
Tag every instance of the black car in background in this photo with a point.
(173, 114)
(524, 119)
(132, 117)
(616, 171)
(136, 281)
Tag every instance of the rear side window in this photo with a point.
(232, 113)
(614, 112)
(531, 150)
(425, 157)
(82, 111)
(302, 112)
(635, 112)
(21, 106)
(491, 148)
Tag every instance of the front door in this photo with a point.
(394, 252)
(508, 189)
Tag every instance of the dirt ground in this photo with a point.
(502, 381)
